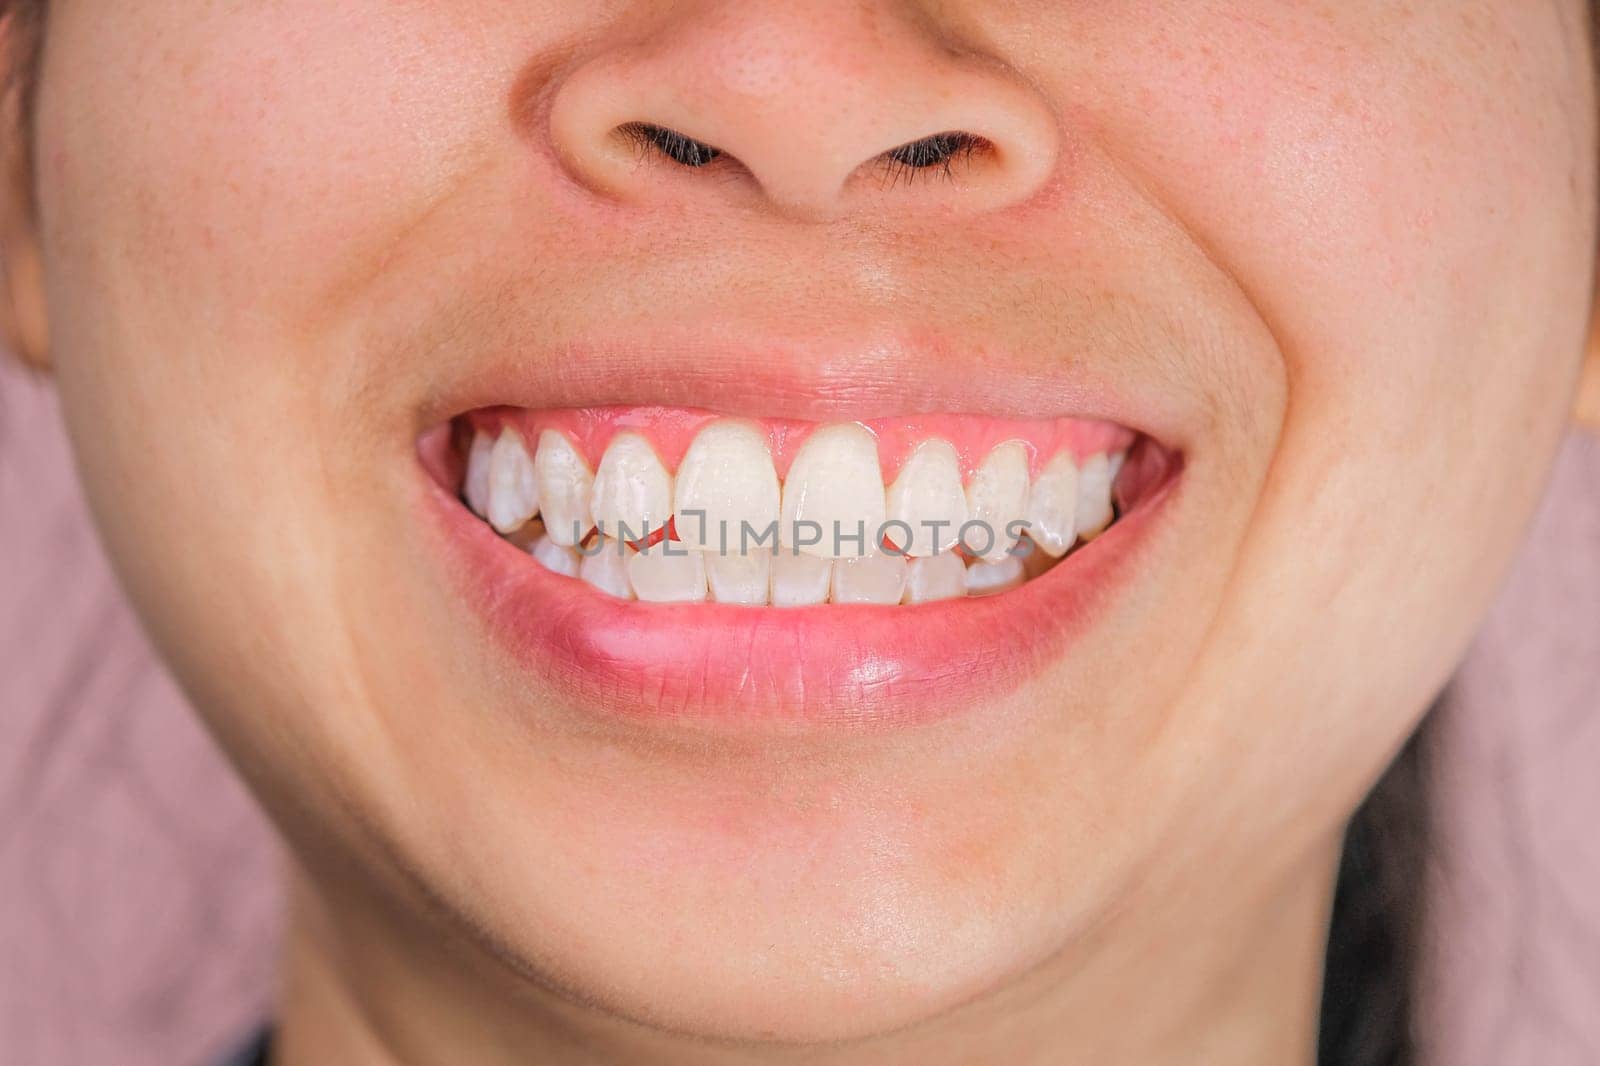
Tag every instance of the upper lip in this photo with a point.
(820, 378)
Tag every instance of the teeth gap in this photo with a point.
(544, 499)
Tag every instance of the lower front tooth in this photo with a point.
(799, 580)
(739, 578)
(1053, 506)
(879, 578)
(607, 569)
(938, 577)
(668, 573)
(985, 579)
(1094, 496)
(556, 557)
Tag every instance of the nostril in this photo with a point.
(678, 147)
(937, 150)
(940, 150)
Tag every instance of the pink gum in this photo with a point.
(671, 429)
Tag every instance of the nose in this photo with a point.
(821, 109)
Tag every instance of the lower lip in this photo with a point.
(859, 666)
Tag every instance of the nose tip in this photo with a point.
(817, 111)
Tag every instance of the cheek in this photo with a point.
(208, 174)
(1412, 216)
(271, 149)
(1388, 188)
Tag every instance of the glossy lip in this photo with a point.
(830, 666)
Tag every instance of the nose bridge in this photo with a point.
(801, 95)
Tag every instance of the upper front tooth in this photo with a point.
(475, 486)
(927, 496)
(726, 479)
(1053, 505)
(997, 497)
(835, 483)
(879, 578)
(632, 491)
(564, 486)
(513, 488)
(1094, 496)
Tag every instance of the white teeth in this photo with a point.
(1094, 496)
(927, 496)
(662, 576)
(513, 489)
(564, 487)
(727, 473)
(997, 497)
(607, 569)
(800, 580)
(939, 577)
(834, 492)
(738, 578)
(984, 579)
(1053, 505)
(632, 492)
(553, 556)
(877, 578)
(833, 502)
(475, 486)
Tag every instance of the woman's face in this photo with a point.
(1321, 271)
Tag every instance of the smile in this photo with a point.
(677, 562)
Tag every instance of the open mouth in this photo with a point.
(678, 561)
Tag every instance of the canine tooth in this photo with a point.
(564, 486)
(985, 579)
(800, 580)
(726, 478)
(1094, 496)
(835, 482)
(928, 490)
(1053, 504)
(556, 557)
(997, 497)
(739, 578)
(938, 577)
(475, 486)
(662, 576)
(631, 489)
(513, 489)
(879, 578)
(1117, 461)
(607, 569)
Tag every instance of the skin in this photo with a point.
(1351, 246)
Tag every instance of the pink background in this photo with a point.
(137, 900)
